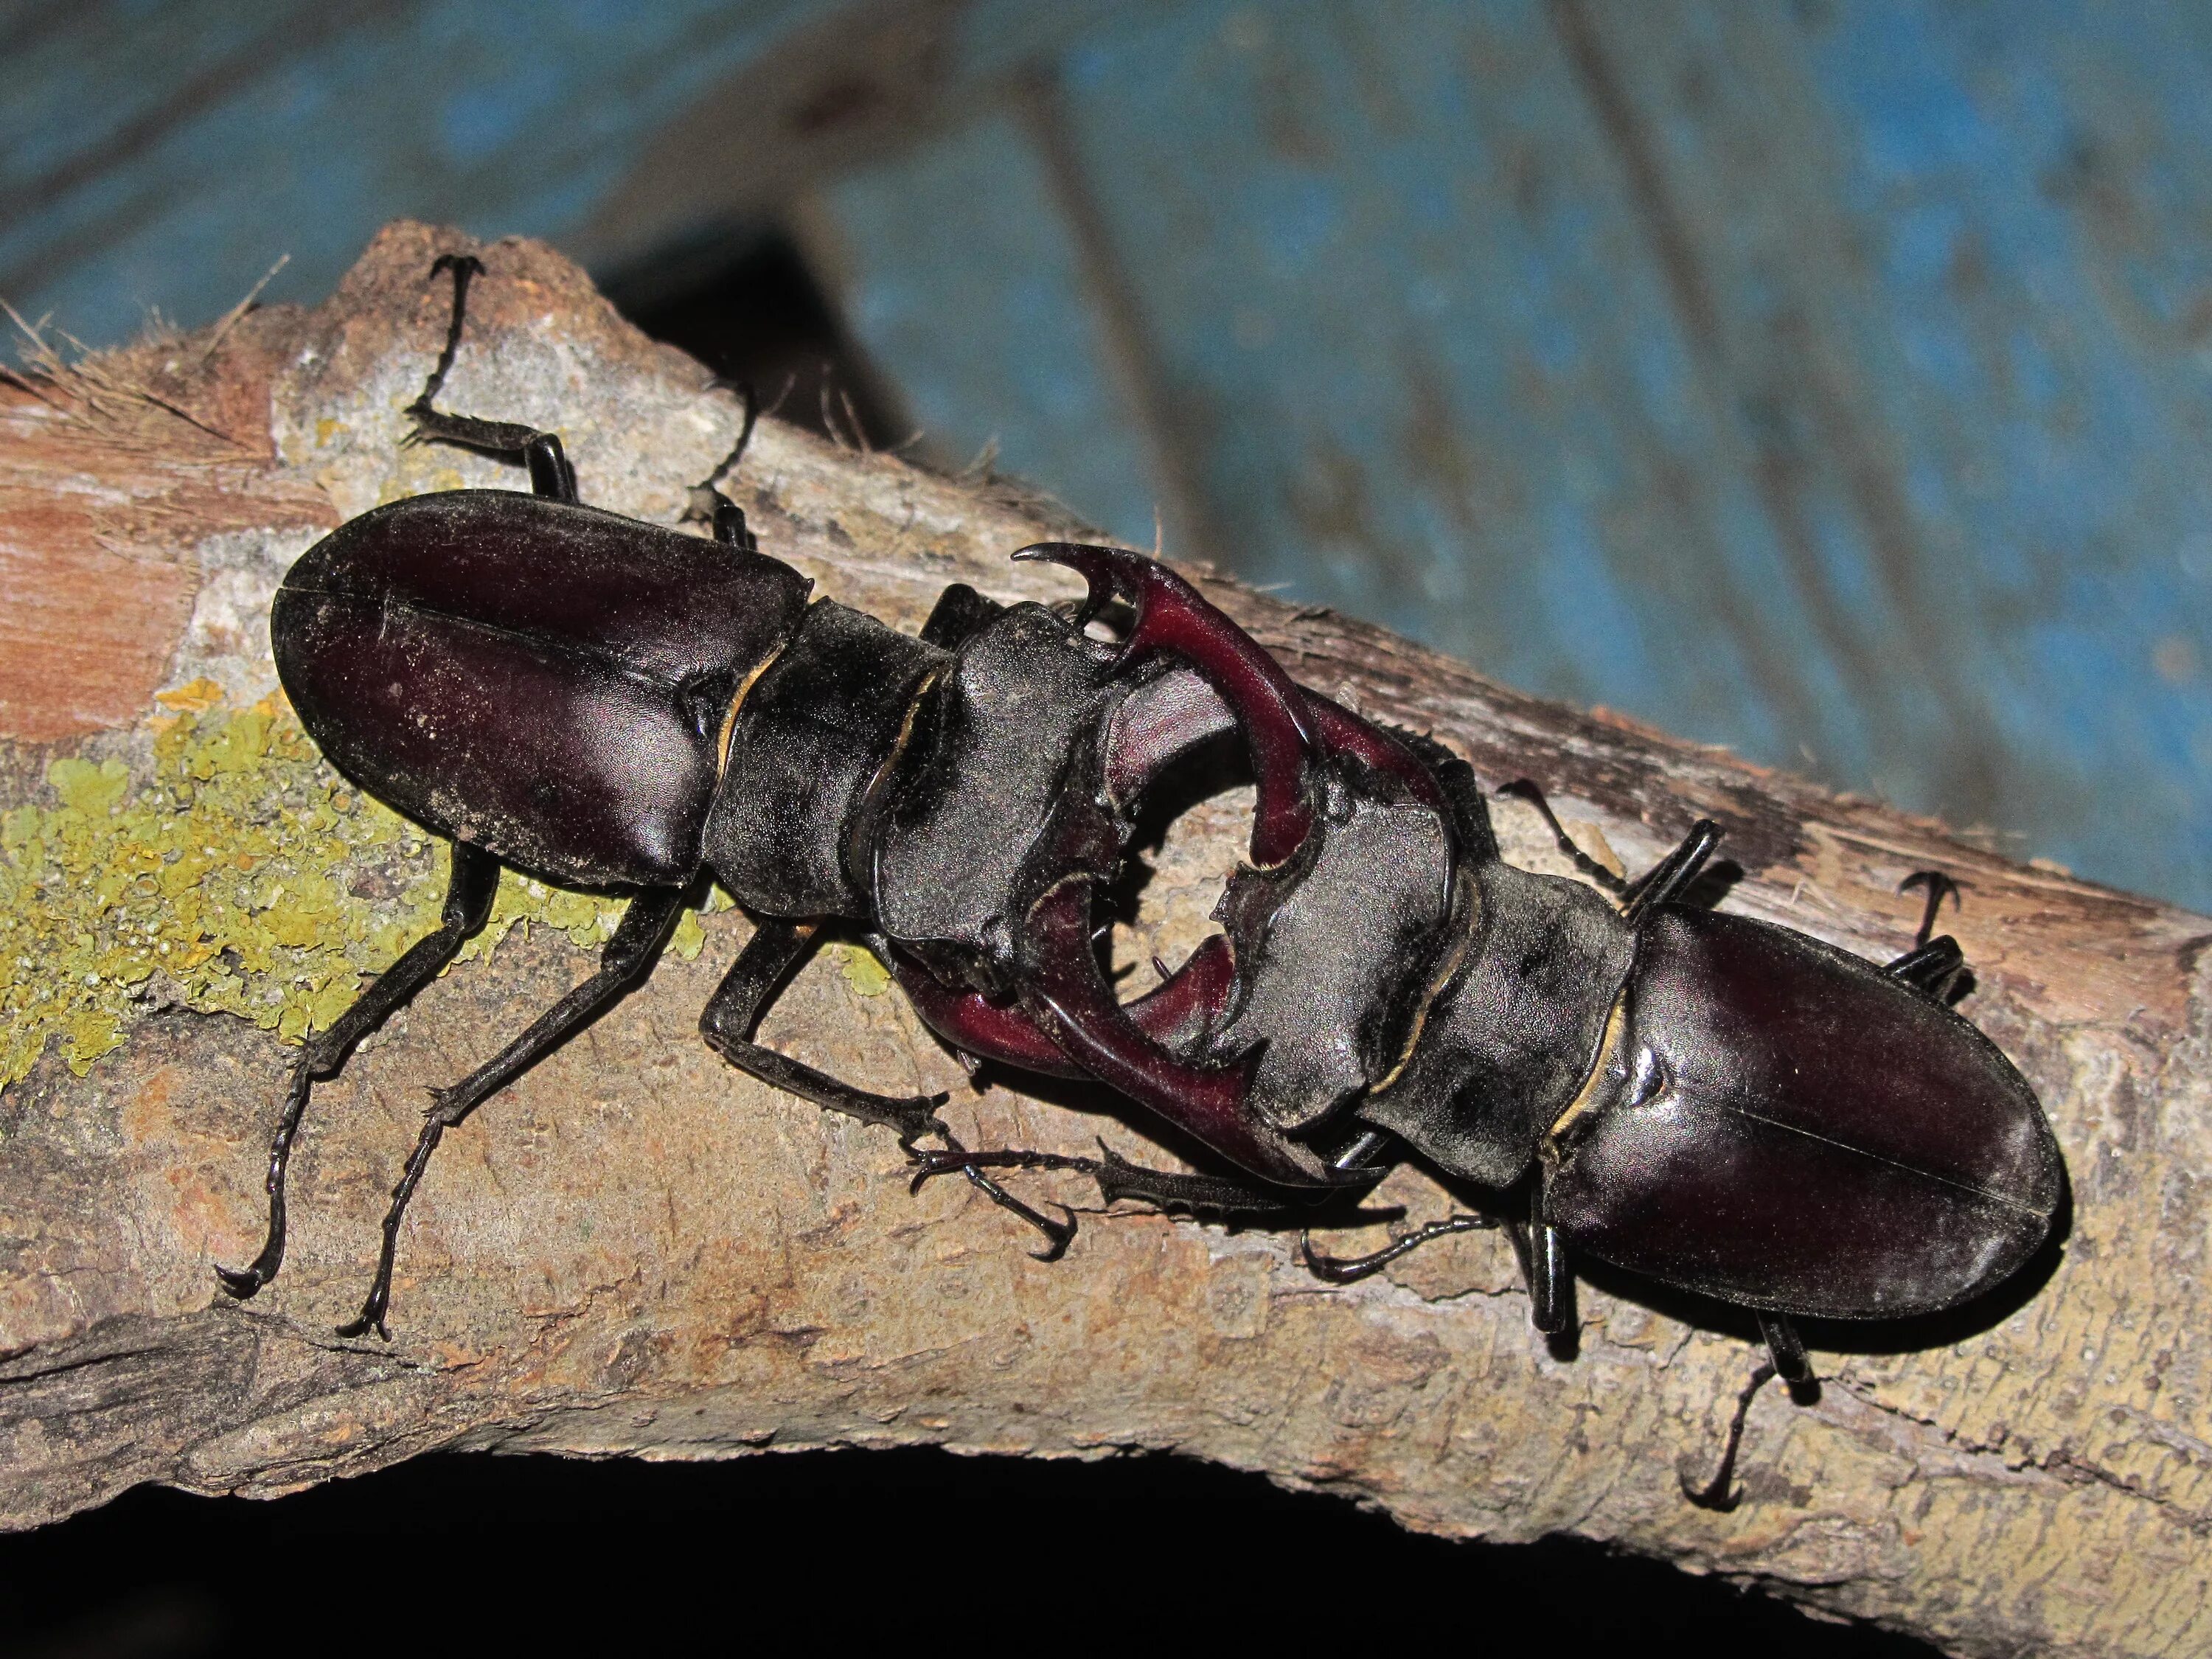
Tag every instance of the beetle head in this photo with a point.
(1350, 890)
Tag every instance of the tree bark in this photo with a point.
(637, 1251)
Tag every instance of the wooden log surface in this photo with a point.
(636, 1251)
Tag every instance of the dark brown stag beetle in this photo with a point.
(1715, 1103)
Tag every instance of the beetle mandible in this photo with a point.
(1715, 1103)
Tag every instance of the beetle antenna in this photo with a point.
(1720, 1493)
(1525, 789)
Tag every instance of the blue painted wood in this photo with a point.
(1830, 382)
(160, 155)
(1052, 417)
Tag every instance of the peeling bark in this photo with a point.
(637, 1251)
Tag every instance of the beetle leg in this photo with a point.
(469, 890)
(1350, 1269)
(1938, 886)
(707, 504)
(1665, 881)
(771, 956)
(1545, 1267)
(1551, 1281)
(1933, 966)
(1118, 1178)
(465, 266)
(1058, 1235)
(1718, 1493)
(550, 475)
(627, 957)
(954, 1158)
(1537, 1246)
(1786, 1349)
(1193, 1194)
(1932, 970)
(1785, 1359)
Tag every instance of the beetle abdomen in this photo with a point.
(548, 682)
(1780, 1123)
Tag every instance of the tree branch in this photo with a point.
(635, 1249)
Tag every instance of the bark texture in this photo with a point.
(637, 1251)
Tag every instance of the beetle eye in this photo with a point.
(1648, 1080)
(704, 699)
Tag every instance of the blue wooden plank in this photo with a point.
(974, 303)
(250, 132)
(1994, 224)
(1829, 382)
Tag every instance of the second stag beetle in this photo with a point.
(1715, 1103)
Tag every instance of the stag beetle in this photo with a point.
(1712, 1102)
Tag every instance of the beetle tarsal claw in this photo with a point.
(363, 1326)
(956, 1159)
(1720, 1494)
(240, 1282)
(1061, 1234)
(1937, 885)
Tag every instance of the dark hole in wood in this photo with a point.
(744, 300)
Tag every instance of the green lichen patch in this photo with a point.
(245, 877)
(863, 971)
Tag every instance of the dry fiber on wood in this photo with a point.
(636, 1249)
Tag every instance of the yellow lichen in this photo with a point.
(245, 875)
(866, 976)
(194, 697)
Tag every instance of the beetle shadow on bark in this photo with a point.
(1714, 883)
